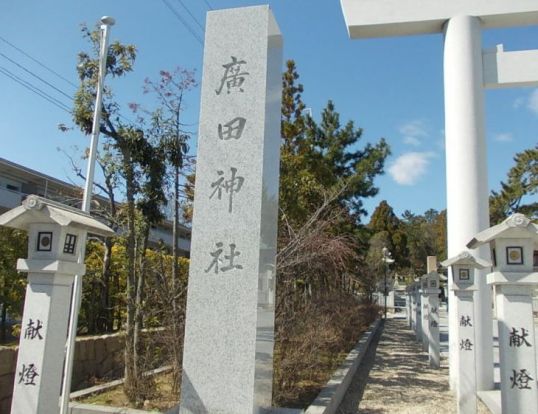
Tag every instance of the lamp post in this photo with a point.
(387, 259)
(106, 22)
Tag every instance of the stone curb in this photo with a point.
(102, 387)
(78, 408)
(330, 397)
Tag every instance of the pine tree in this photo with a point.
(522, 181)
(384, 221)
(325, 157)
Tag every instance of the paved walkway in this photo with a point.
(396, 378)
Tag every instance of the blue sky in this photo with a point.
(392, 88)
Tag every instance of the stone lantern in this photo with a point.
(430, 312)
(463, 286)
(56, 234)
(414, 306)
(418, 310)
(424, 311)
(512, 248)
(409, 306)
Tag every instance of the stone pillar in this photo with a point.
(227, 360)
(466, 340)
(463, 267)
(466, 174)
(391, 296)
(408, 307)
(56, 235)
(44, 324)
(425, 317)
(434, 346)
(512, 247)
(517, 348)
(433, 312)
(418, 313)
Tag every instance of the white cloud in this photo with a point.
(532, 104)
(413, 128)
(408, 168)
(529, 102)
(413, 131)
(504, 137)
(519, 102)
(409, 140)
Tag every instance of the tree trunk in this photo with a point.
(106, 305)
(139, 299)
(175, 231)
(131, 373)
(3, 334)
(109, 301)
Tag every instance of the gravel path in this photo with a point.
(397, 378)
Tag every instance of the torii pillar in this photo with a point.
(466, 74)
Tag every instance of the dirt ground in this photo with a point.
(397, 378)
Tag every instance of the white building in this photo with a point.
(17, 182)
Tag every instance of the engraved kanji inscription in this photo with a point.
(233, 129)
(233, 77)
(28, 374)
(465, 321)
(517, 340)
(466, 345)
(230, 187)
(521, 379)
(228, 260)
(32, 330)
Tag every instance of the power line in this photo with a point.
(42, 93)
(36, 76)
(20, 81)
(208, 5)
(190, 14)
(182, 20)
(35, 89)
(38, 62)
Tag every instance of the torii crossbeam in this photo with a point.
(467, 71)
(383, 18)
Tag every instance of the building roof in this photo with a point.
(35, 182)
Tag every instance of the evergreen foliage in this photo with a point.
(316, 159)
(521, 183)
(13, 245)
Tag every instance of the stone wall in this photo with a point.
(96, 357)
(8, 360)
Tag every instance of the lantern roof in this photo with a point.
(466, 258)
(35, 209)
(516, 226)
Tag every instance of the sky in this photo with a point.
(391, 87)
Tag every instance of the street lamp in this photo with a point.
(387, 259)
(106, 22)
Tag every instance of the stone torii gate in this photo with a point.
(467, 71)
